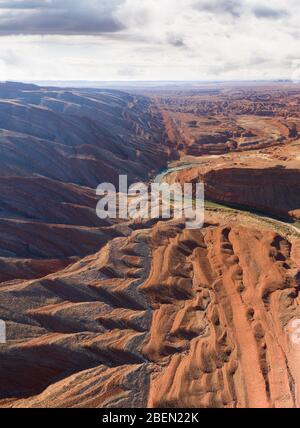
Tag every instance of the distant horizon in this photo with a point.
(145, 83)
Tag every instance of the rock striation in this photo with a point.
(164, 318)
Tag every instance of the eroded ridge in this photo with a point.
(222, 298)
(167, 317)
(75, 338)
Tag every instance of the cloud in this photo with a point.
(24, 4)
(269, 13)
(231, 7)
(68, 17)
(149, 39)
(176, 41)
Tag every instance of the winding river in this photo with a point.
(294, 230)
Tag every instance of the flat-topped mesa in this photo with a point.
(266, 181)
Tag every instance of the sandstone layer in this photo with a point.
(265, 181)
(164, 318)
(135, 313)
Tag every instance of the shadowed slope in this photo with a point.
(56, 147)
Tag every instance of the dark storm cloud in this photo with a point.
(231, 7)
(61, 17)
(269, 13)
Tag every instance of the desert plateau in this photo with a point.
(147, 313)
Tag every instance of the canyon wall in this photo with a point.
(56, 146)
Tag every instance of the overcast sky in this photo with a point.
(149, 39)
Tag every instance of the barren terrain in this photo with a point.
(137, 314)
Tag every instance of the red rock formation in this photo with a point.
(227, 118)
(270, 190)
(164, 318)
(224, 342)
(103, 314)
